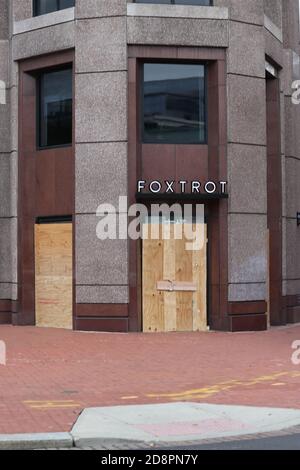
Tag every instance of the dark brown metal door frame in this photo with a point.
(216, 169)
(45, 180)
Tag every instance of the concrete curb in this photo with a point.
(59, 440)
(123, 444)
(64, 441)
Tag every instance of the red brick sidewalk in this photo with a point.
(52, 374)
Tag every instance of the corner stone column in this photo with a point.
(247, 164)
(100, 159)
(8, 226)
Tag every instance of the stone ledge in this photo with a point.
(273, 29)
(177, 11)
(43, 21)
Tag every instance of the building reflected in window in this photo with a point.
(55, 108)
(174, 103)
(42, 7)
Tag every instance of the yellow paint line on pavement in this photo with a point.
(204, 392)
(51, 404)
(295, 374)
(54, 406)
(134, 397)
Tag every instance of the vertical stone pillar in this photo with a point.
(7, 221)
(247, 163)
(101, 158)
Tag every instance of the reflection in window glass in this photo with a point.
(42, 7)
(174, 104)
(55, 113)
(66, 4)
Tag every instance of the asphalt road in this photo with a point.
(291, 442)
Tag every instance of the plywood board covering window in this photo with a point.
(53, 275)
(182, 306)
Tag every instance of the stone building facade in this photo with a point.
(251, 51)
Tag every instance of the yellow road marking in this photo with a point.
(51, 404)
(192, 394)
(207, 391)
(130, 398)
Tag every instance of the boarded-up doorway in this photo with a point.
(174, 282)
(53, 275)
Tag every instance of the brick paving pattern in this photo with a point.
(51, 375)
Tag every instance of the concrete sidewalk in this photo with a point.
(177, 422)
(160, 426)
(52, 375)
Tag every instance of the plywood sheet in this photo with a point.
(169, 267)
(53, 275)
(184, 273)
(176, 286)
(174, 283)
(200, 279)
(153, 319)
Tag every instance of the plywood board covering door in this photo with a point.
(174, 282)
(54, 275)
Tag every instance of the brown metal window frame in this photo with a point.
(215, 153)
(46, 181)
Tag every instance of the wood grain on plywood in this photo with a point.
(169, 275)
(174, 282)
(53, 275)
(153, 319)
(200, 278)
(184, 300)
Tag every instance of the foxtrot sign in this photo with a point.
(182, 187)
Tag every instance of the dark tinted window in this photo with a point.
(178, 2)
(174, 104)
(41, 7)
(55, 108)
